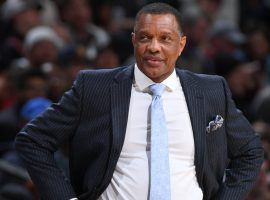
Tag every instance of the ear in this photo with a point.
(182, 44)
(133, 38)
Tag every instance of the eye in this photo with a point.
(166, 38)
(144, 38)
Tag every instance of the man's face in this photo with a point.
(78, 13)
(157, 45)
(42, 52)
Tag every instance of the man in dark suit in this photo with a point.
(213, 151)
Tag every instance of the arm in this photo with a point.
(245, 153)
(40, 138)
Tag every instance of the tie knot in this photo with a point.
(157, 89)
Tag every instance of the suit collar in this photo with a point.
(120, 98)
(195, 101)
(127, 73)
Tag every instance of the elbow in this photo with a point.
(24, 144)
(21, 142)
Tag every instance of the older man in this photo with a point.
(147, 131)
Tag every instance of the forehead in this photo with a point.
(157, 21)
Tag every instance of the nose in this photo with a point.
(154, 46)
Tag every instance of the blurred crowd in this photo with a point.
(44, 43)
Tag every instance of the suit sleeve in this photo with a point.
(40, 138)
(245, 153)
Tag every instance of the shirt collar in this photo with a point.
(142, 82)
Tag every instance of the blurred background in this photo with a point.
(44, 43)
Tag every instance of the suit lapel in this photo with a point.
(195, 102)
(120, 92)
(120, 98)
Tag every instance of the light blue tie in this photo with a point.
(160, 171)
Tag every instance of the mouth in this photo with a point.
(153, 60)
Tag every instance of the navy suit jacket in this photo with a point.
(93, 116)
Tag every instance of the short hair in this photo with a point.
(160, 8)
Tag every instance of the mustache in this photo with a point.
(151, 57)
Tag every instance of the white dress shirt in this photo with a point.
(130, 179)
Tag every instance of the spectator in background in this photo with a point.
(117, 19)
(210, 7)
(261, 106)
(261, 190)
(215, 10)
(254, 13)
(7, 91)
(42, 46)
(263, 129)
(111, 61)
(223, 38)
(32, 99)
(14, 184)
(31, 83)
(19, 17)
(86, 36)
(259, 49)
(195, 25)
(33, 107)
(245, 81)
(8, 97)
(244, 78)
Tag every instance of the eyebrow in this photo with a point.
(144, 31)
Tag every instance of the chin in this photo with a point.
(156, 77)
